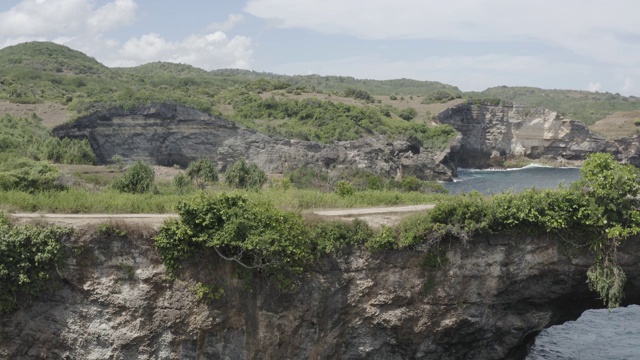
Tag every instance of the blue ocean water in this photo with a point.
(496, 181)
(597, 334)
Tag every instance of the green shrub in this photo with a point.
(344, 188)
(137, 179)
(182, 183)
(27, 175)
(28, 257)
(308, 178)
(407, 113)
(439, 96)
(202, 172)
(255, 236)
(243, 175)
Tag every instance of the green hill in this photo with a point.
(39, 72)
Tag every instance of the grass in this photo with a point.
(111, 202)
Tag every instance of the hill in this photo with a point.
(41, 72)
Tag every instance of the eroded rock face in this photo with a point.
(487, 301)
(491, 134)
(174, 135)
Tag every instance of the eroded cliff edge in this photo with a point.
(487, 301)
(168, 135)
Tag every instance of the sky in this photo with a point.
(473, 44)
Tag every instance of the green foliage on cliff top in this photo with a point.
(599, 211)
(29, 255)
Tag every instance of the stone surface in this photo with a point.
(492, 134)
(174, 135)
(488, 301)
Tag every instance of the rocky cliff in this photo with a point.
(488, 300)
(492, 134)
(174, 135)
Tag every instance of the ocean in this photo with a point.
(597, 334)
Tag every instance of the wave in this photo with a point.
(530, 166)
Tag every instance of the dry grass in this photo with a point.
(52, 114)
(617, 125)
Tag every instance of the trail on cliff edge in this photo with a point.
(374, 216)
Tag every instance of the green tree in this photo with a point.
(202, 172)
(137, 179)
(243, 175)
(613, 189)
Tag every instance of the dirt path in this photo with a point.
(374, 216)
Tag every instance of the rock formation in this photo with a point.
(174, 135)
(488, 300)
(491, 134)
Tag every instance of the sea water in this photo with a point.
(496, 181)
(597, 334)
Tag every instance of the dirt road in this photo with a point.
(374, 216)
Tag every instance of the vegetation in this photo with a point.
(138, 179)
(202, 172)
(28, 256)
(440, 96)
(243, 175)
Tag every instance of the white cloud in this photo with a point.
(231, 22)
(209, 51)
(85, 26)
(594, 86)
(112, 15)
(627, 85)
(601, 30)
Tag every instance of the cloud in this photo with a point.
(602, 31)
(209, 51)
(231, 22)
(594, 87)
(85, 26)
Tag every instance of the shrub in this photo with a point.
(243, 175)
(137, 179)
(407, 113)
(202, 172)
(182, 183)
(28, 256)
(344, 188)
(255, 236)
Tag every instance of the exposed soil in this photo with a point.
(52, 114)
(374, 216)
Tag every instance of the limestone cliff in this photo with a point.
(491, 134)
(174, 135)
(488, 301)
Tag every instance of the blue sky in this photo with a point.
(473, 44)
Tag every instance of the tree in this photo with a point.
(407, 113)
(137, 179)
(243, 175)
(613, 189)
(202, 172)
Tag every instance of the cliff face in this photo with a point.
(174, 135)
(487, 301)
(491, 134)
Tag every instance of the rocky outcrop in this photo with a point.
(174, 135)
(492, 134)
(488, 301)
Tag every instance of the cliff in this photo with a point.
(491, 134)
(488, 300)
(170, 135)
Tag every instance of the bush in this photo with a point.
(344, 188)
(28, 175)
(28, 256)
(137, 179)
(255, 236)
(407, 113)
(439, 96)
(243, 175)
(202, 172)
(182, 183)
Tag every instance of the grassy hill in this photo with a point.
(41, 72)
